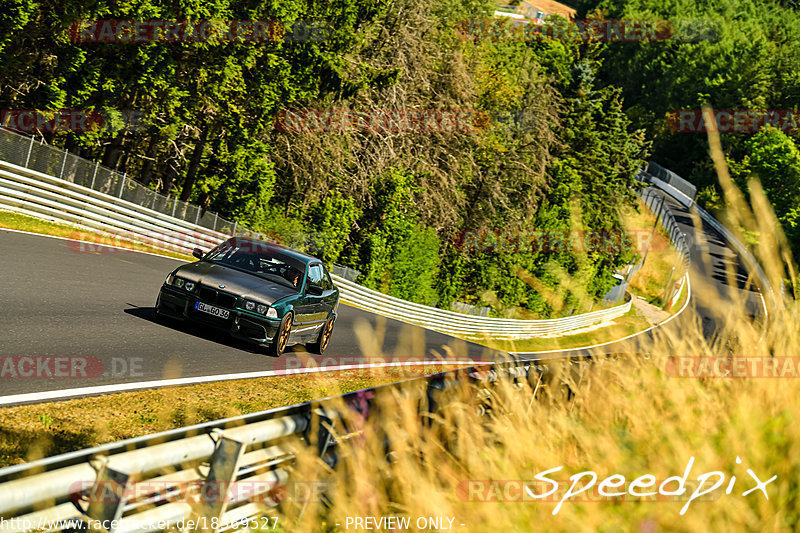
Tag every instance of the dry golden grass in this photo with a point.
(28, 432)
(652, 278)
(628, 415)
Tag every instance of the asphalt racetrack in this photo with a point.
(73, 317)
(86, 319)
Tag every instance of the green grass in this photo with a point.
(36, 225)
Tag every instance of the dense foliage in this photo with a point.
(730, 55)
(552, 149)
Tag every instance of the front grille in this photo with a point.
(226, 300)
(214, 297)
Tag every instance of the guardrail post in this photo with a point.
(215, 492)
(107, 496)
(63, 162)
(122, 185)
(94, 174)
(30, 149)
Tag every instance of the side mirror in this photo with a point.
(314, 290)
(198, 253)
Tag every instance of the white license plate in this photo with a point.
(211, 310)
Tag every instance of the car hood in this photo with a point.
(235, 281)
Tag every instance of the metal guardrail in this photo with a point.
(458, 324)
(33, 193)
(670, 178)
(666, 219)
(26, 152)
(153, 483)
(684, 192)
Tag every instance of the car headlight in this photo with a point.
(261, 309)
(181, 283)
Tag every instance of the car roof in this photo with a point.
(279, 248)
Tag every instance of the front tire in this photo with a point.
(324, 338)
(278, 344)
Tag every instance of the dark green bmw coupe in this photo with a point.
(256, 291)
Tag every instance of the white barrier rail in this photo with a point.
(459, 324)
(674, 189)
(36, 194)
(222, 474)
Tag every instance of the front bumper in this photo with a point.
(240, 324)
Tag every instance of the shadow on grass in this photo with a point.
(21, 445)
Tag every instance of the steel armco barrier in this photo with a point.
(143, 484)
(26, 152)
(680, 189)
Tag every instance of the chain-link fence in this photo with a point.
(350, 274)
(29, 153)
(461, 307)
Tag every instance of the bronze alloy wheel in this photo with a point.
(282, 337)
(326, 335)
(324, 338)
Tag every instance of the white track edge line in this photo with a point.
(122, 387)
(685, 305)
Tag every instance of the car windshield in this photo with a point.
(259, 259)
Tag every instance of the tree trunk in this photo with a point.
(194, 163)
(111, 156)
(149, 160)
